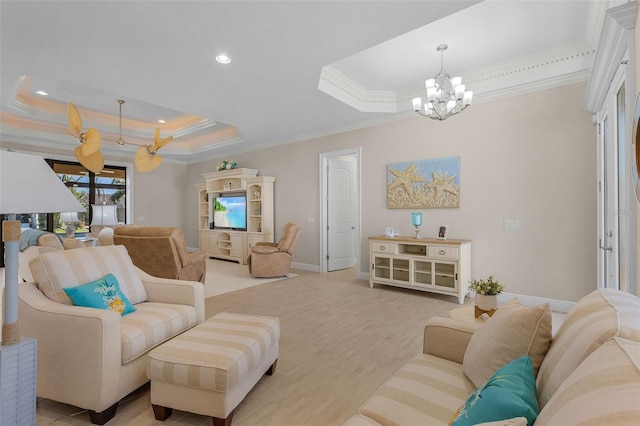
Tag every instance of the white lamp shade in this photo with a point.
(29, 185)
(69, 217)
(468, 96)
(104, 215)
(417, 104)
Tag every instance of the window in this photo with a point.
(106, 187)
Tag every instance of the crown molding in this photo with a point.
(615, 37)
(553, 68)
(335, 84)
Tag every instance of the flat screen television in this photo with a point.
(230, 211)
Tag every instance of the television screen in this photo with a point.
(230, 212)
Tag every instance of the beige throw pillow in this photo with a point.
(513, 331)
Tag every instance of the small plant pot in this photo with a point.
(485, 304)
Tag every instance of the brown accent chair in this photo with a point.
(269, 260)
(162, 252)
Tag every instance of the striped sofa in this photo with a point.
(89, 357)
(589, 375)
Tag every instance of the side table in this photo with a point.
(467, 313)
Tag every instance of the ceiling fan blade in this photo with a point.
(157, 143)
(162, 143)
(75, 122)
(93, 162)
(91, 142)
(144, 161)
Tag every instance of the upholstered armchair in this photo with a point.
(274, 259)
(161, 252)
(89, 357)
(34, 242)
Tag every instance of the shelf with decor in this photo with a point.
(254, 194)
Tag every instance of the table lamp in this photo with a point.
(103, 215)
(27, 185)
(69, 219)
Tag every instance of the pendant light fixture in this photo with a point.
(446, 96)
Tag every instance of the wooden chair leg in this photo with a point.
(217, 421)
(104, 416)
(161, 413)
(272, 369)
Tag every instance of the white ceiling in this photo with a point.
(299, 69)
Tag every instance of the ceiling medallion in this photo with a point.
(446, 96)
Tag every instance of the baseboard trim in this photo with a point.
(556, 305)
(305, 267)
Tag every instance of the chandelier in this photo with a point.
(446, 96)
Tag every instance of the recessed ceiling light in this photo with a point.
(223, 59)
(41, 93)
(161, 121)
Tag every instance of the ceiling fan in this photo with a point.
(88, 153)
(147, 157)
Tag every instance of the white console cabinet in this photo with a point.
(435, 265)
(232, 244)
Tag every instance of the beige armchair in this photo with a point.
(34, 242)
(274, 260)
(162, 252)
(89, 357)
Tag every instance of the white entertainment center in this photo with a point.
(224, 241)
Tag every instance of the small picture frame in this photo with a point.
(443, 231)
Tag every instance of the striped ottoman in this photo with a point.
(210, 368)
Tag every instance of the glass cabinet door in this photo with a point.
(400, 269)
(381, 267)
(445, 275)
(422, 272)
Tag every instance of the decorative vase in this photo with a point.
(485, 304)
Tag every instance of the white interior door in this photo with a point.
(341, 215)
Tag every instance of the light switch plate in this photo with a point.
(511, 224)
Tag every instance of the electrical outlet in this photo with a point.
(511, 224)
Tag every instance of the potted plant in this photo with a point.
(487, 292)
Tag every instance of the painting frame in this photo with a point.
(424, 184)
(443, 232)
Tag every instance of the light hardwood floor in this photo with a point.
(340, 340)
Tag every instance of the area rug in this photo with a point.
(225, 276)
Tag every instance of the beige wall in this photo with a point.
(531, 158)
(160, 198)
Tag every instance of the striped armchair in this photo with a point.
(90, 357)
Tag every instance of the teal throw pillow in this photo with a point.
(104, 293)
(510, 392)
